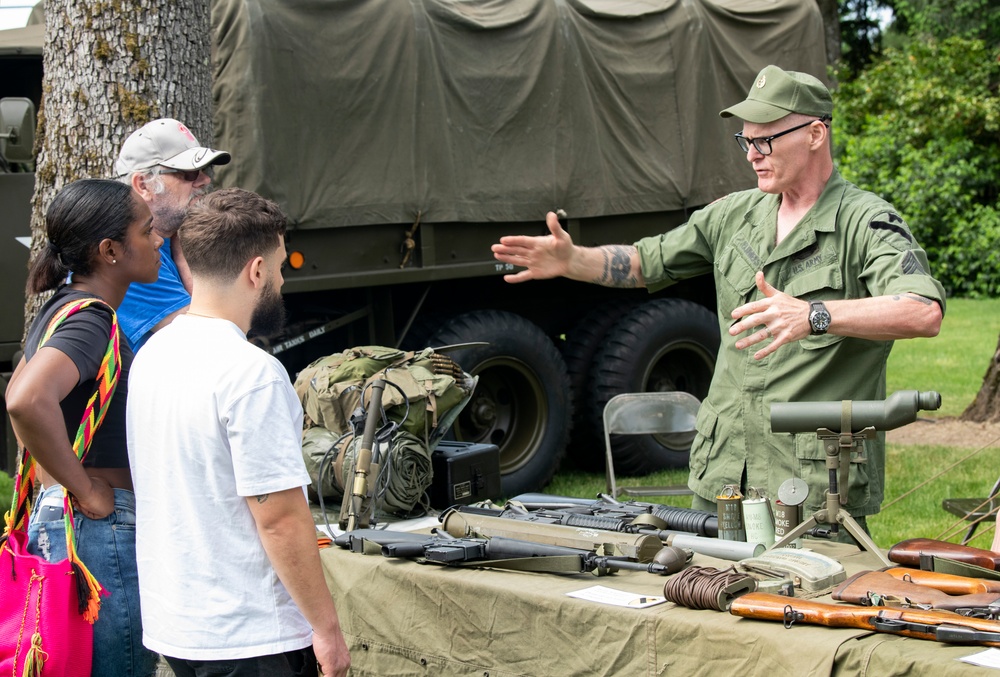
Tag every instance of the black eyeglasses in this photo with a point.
(189, 175)
(763, 144)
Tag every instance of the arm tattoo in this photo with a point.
(914, 297)
(262, 498)
(617, 267)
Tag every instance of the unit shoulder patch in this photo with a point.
(891, 227)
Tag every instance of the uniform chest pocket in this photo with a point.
(734, 278)
(822, 283)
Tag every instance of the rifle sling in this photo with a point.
(943, 565)
(846, 447)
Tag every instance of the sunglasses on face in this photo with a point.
(189, 175)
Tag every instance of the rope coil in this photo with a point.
(707, 587)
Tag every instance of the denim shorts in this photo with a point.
(107, 547)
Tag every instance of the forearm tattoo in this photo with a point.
(914, 297)
(617, 267)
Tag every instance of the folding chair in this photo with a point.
(646, 414)
(975, 510)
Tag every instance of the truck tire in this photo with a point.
(662, 345)
(521, 403)
(583, 342)
(423, 328)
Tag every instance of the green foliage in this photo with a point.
(940, 19)
(6, 491)
(920, 128)
(860, 33)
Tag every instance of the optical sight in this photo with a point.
(896, 410)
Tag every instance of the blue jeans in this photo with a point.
(107, 547)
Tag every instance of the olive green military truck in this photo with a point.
(404, 138)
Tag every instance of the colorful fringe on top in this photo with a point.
(90, 590)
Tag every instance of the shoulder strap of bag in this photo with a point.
(107, 373)
(93, 415)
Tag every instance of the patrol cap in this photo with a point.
(776, 93)
(169, 143)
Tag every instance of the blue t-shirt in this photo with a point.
(145, 305)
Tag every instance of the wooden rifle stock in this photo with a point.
(858, 588)
(943, 626)
(908, 552)
(953, 585)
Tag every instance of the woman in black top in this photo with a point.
(100, 239)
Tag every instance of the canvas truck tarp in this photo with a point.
(27, 40)
(356, 112)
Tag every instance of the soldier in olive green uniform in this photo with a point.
(815, 279)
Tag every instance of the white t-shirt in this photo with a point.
(212, 419)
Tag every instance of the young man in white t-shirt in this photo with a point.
(229, 570)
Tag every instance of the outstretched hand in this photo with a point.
(778, 317)
(542, 256)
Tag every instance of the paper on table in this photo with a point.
(990, 658)
(604, 595)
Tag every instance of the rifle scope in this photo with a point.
(896, 410)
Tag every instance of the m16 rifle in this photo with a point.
(654, 515)
(943, 626)
(502, 553)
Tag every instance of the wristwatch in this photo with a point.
(819, 318)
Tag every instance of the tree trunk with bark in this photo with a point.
(831, 27)
(986, 407)
(110, 68)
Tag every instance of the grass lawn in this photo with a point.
(955, 361)
(952, 363)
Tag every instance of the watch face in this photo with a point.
(820, 320)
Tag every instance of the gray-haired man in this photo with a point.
(165, 164)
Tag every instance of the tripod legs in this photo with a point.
(843, 518)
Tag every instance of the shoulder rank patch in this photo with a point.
(891, 222)
(911, 265)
